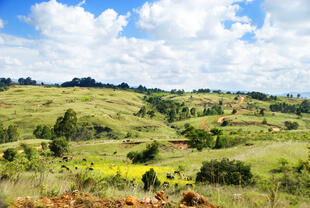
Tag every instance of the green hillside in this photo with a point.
(263, 142)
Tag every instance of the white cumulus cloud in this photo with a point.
(194, 44)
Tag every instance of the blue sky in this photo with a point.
(11, 9)
(261, 45)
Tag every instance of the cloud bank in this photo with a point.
(193, 44)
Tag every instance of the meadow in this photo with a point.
(29, 106)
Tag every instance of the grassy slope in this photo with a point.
(115, 109)
(104, 106)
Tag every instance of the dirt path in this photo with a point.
(203, 125)
(221, 118)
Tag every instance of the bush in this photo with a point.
(44, 132)
(10, 154)
(225, 172)
(30, 152)
(264, 121)
(234, 111)
(44, 145)
(149, 153)
(228, 141)
(150, 179)
(59, 146)
(13, 133)
(198, 138)
(291, 125)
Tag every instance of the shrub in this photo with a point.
(225, 123)
(44, 145)
(234, 111)
(291, 125)
(43, 132)
(30, 152)
(228, 141)
(150, 179)
(149, 153)
(59, 146)
(264, 121)
(13, 134)
(10, 154)
(225, 172)
(198, 138)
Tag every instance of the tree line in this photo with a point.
(283, 107)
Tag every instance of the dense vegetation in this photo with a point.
(225, 172)
(150, 153)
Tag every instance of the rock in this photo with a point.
(192, 199)
(132, 201)
(146, 200)
(161, 196)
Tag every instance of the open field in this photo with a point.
(266, 144)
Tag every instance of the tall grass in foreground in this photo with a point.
(94, 183)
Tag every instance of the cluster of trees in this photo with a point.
(225, 172)
(173, 110)
(44, 132)
(202, 91)
(261, 96)
(27, 81)
(10, 134)
(67, 126)
(291, 125)
(283, 107)
(150, 153)
(178, 92)
(143, 89)
(4, 83)
(214, 110)
(90, 82)
(200, 139)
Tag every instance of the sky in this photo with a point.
(250, 45)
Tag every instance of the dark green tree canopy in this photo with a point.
(59, 146)
(67, 125)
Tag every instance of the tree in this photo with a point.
(13, 134)
(3, 134)
(216, 131)
(262, 112)
(30, 152)
(193, 111)
(38, 132)
(150, 179)
(264, 121)
(225, 172)
(9, 154)
(149, 153)
(298, 95)
(291, 125)
(141, 112)
(234, 111)
(59, 146)
(67, 125)
(198, 138)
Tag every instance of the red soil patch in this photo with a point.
(182, 145)
(81, 200)
(3, 104)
